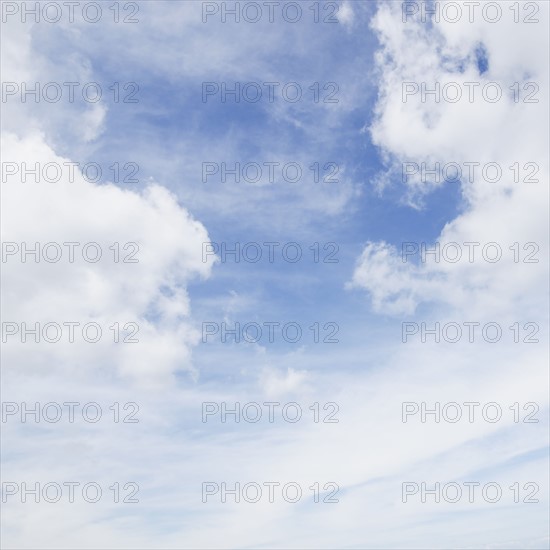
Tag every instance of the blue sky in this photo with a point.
(368, 293)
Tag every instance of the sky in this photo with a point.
(390, 222)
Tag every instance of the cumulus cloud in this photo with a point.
(410, 128)
(393, 286)
(158, 237)
(149, 289)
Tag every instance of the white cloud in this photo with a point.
(169, 256)
(427, 132)
(345, 14)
